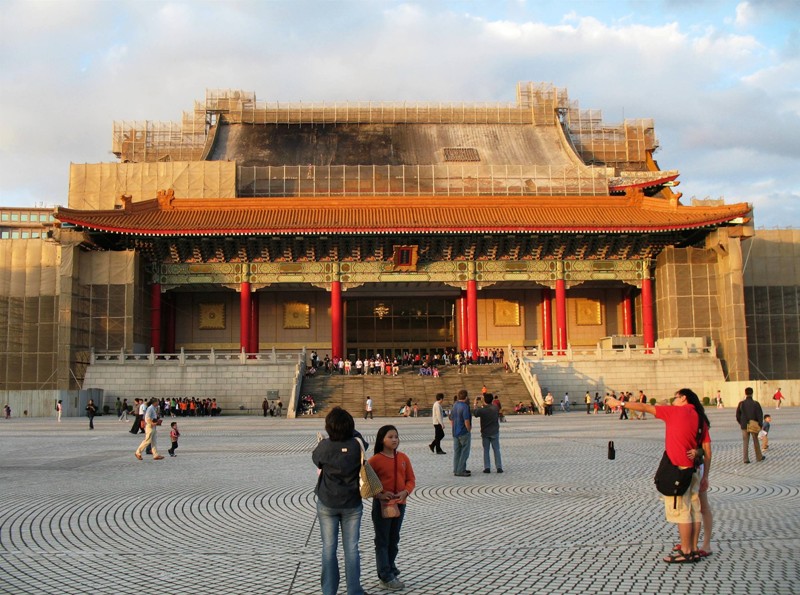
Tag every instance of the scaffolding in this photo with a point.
(421, 180)
(623, 145)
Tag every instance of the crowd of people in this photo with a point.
(379, 364)
(171, 407)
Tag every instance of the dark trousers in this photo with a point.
(624, 414)
(438, 434)
(91, 422)
(137, 423)
(387, 541)
(172, 450)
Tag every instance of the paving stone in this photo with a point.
(234, 511)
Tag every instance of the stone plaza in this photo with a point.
(234, 512)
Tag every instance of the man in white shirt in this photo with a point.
(438, 426)
(368, 409)
(151, 423)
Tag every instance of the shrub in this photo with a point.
(653, 401)
(706, 401)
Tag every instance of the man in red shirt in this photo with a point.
(682, 419)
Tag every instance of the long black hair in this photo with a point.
(381, 435)
(694, 400)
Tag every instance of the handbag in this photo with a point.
(671, 480)
(369, 484)
(753, 427)
(390, 509)
(612, 453)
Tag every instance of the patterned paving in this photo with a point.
(234, 511)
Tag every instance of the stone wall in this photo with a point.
(658, 378)
(237, 388)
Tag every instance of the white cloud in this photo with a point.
(724, 102)
(744, 14)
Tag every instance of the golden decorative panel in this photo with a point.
(588, 312)
(212, 316)
(506, 313)
(296, 315)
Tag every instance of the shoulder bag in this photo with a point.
(670, 479)
(369, 484)
(753, 427)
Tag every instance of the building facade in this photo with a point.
(364, 228)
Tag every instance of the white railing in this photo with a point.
(209, 358)
(598, 353)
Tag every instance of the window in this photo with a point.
(404, 256)
(24, 217)
(4, 217)
(26, 235)
(15, 216)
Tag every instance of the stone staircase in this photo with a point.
(390, 393)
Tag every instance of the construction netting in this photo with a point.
(29, 274)
(57, 302)
(98, 186)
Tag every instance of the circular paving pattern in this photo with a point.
(234, 512)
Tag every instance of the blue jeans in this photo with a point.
(350, 521)
(494, 442)
(387, 540)
(461, 452)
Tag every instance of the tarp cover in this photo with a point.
(98, 186)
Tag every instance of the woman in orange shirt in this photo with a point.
(388, 508)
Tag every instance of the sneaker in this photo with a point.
(393, 585)
(499, 470)
(487, 470)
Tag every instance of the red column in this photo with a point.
(170, 346)
(254, 324)
(337, 338)
(561, 316)
(472, 317)
(627, 314)
(463, 331)
(647, 314)
(155, 317)
(547, 321)
(244, 316)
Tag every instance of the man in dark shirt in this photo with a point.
(489, 415)
(461, 422)
(750, 410)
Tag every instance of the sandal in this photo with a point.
(703, 553)
(679, 557)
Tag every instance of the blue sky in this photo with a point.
(720, 78)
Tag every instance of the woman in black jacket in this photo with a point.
(339, 506)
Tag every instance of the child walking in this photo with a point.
(389, 507)
(174, 434)
(763, 435)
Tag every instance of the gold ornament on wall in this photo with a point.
(588, 312)
(211, 316)
(296, 315)
(506, 313)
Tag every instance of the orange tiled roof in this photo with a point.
(358, 215)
